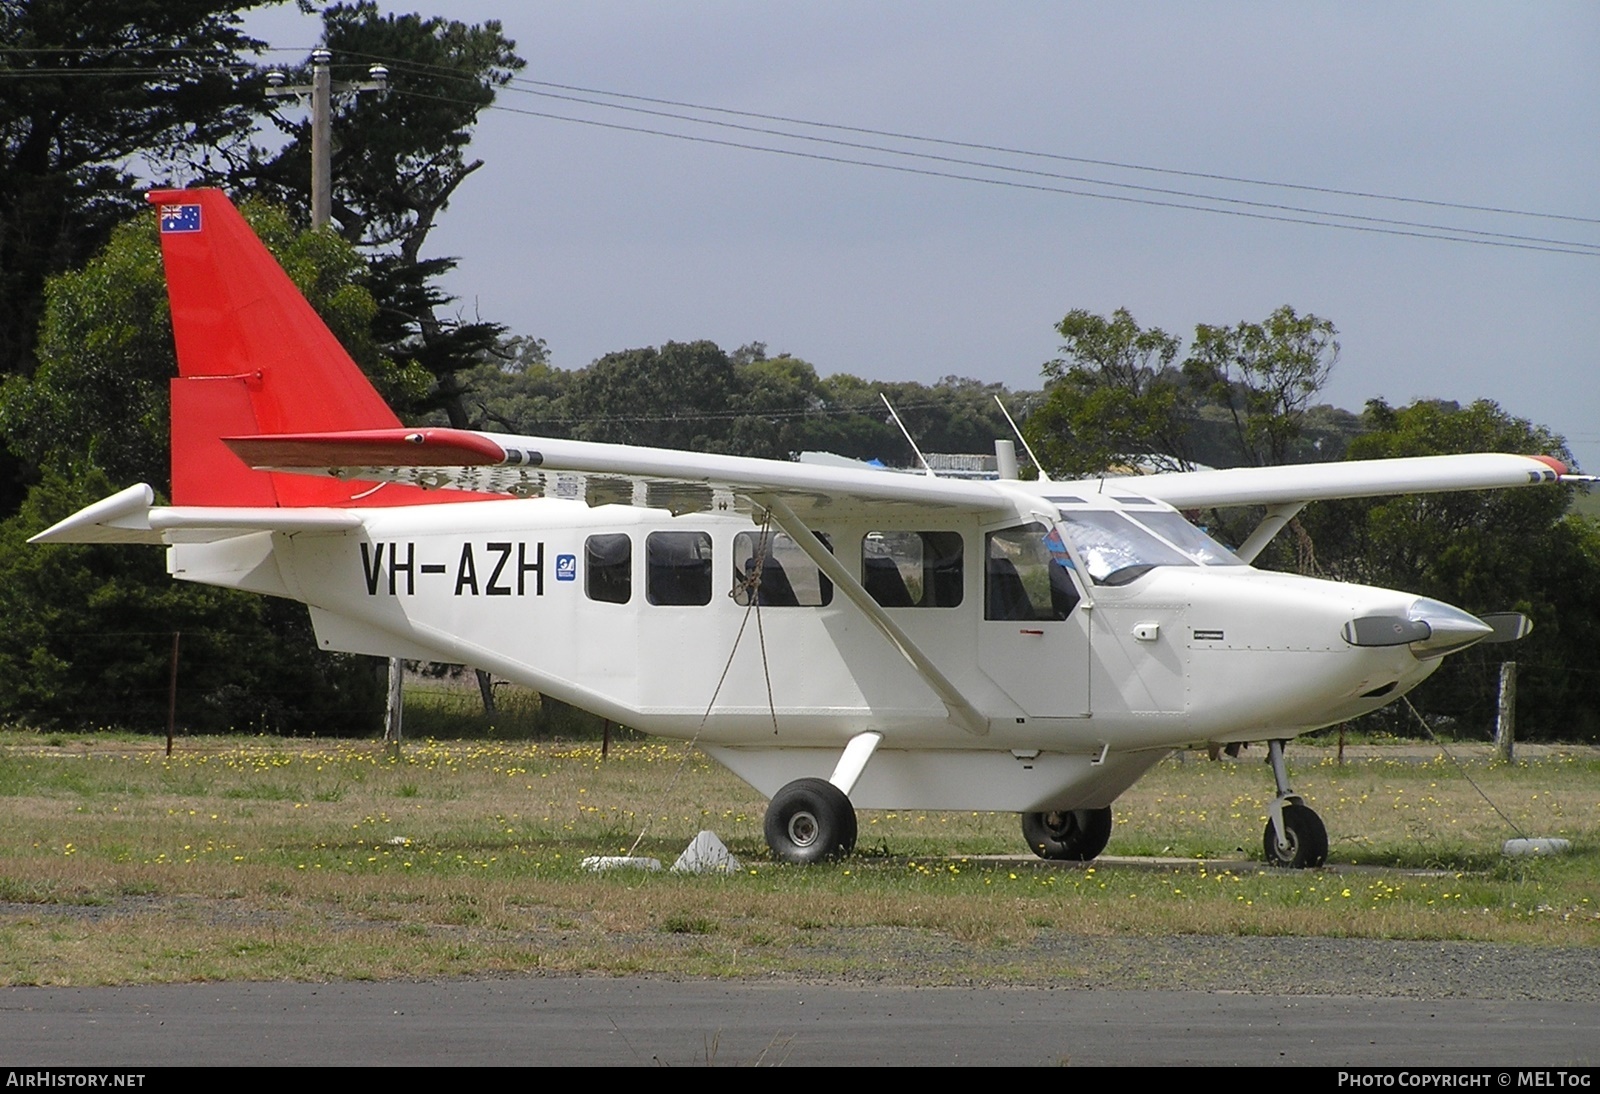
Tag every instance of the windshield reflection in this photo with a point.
(1117, 549)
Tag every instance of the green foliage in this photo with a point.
(696, 396)
(1115, 399)
(678, 396)
(100, 393)
(1265, 375)
(94, 86)
(88, 640)
(397, 162)
(1484, 551)
(1243, 396)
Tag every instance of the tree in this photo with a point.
(1265, 375)
(677, 396)
(1484, 551)
(100, 393)
(1113, 398)
(87, 641)
(397, 162)
(87, 629)
(89, 91)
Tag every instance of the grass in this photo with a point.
(267, 858)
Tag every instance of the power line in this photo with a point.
(1161, 197)
(515, 81)
(1062, 177)
(1437, 232)
(1062, 157)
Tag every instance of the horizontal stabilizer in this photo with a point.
(124, 517)
(128, 517)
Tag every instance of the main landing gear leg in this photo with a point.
(811, 820)
(1295, 836)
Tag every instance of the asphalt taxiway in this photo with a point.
(651, 1022)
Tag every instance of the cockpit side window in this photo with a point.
(1023, 579)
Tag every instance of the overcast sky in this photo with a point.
(601, 239)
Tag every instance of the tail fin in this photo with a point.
(254, 358)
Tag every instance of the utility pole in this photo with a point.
(320, 92)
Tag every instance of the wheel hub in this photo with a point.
(1061, 825)
(803, 828)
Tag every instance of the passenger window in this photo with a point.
(912, 569)
(788, 578)
(1023, 580)
(608, 568)
(678, 568)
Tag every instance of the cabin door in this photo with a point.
(1034, 638)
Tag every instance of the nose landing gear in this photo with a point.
(1295, 836)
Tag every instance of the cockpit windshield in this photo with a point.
(1186, 537)
(1117, 549)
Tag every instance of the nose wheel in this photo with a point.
(1295, 837)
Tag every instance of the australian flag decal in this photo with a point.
(180, 218)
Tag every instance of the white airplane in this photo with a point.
(1031, 647)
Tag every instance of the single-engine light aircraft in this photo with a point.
(1030, 647)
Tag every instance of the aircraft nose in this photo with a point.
(1430, 627)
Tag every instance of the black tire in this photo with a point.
(810, 820)
(1306, 837)
(1075, 835)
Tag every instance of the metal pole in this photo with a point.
(172, 694)
(321, 138)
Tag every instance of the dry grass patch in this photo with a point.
(268, 858)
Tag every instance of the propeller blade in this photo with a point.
(1385, 630)
(1508, 626)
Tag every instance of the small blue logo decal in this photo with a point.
(566, 567)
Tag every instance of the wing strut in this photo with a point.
(962, 712)
(1271, 524)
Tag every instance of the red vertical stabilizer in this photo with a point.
(254, 358)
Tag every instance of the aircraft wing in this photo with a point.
(1298, 483)
(683, 482)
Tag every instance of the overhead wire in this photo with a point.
(1124, 192)
(976, 146)
(1445, 233)
(957, 161)
(524, 84)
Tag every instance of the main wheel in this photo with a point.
(810, 820)
(1304, 835)
(1072, 834)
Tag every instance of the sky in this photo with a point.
(599, 239)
